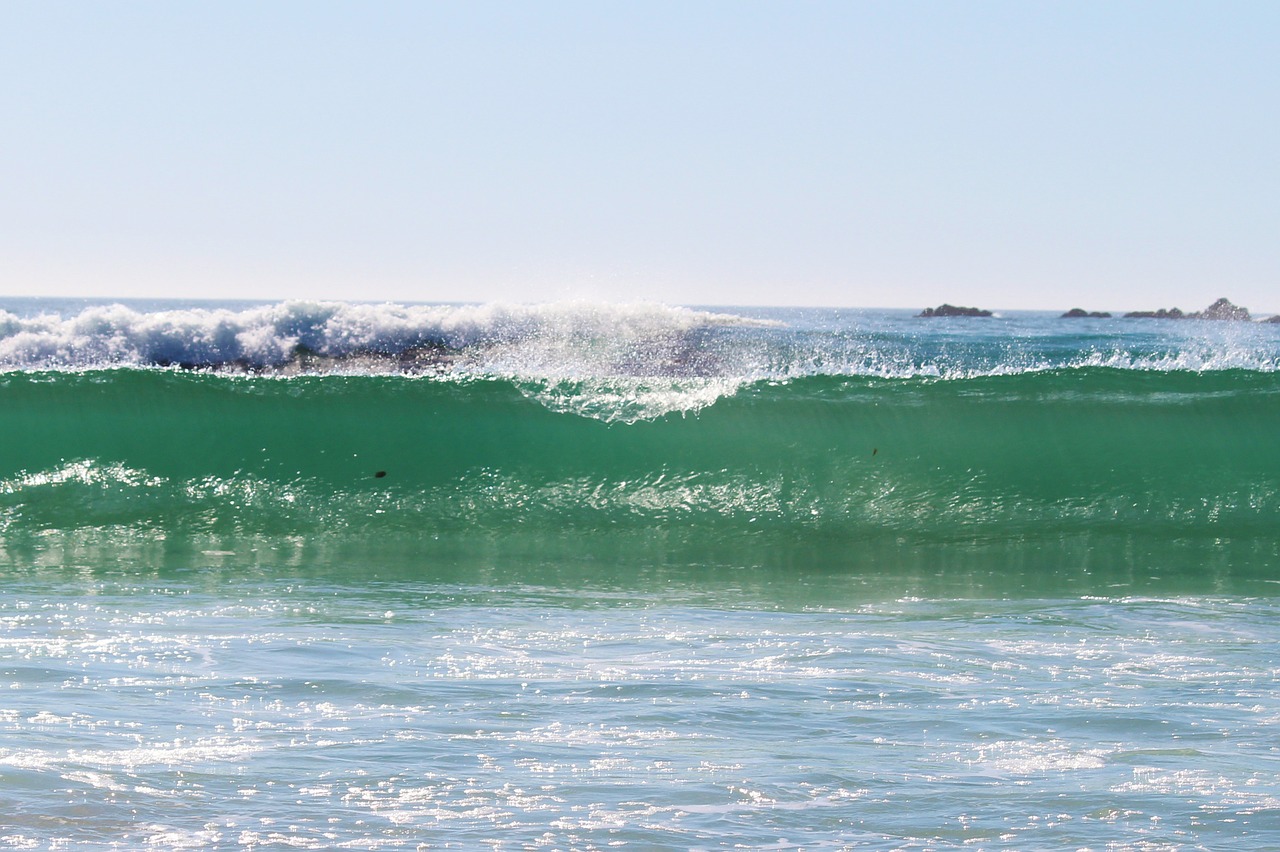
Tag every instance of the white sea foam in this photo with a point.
(1195, 357)
(81, 473)
(174, 753)
(572, 335)
(627, 400)
(622, 362)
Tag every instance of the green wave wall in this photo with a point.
(850, 463)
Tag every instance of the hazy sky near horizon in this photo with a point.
(1107, 155)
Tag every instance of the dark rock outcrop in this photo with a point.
(953, 311)
(1171, 313)
(1081, 313)
(1275, 318)
(1219, 310)
(1223, 310)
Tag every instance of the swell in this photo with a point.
(1029, 457)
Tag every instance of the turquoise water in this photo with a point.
(636, 578)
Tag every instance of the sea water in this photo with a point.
(587, 576)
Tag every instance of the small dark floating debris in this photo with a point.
(380, 474)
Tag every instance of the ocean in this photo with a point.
(590, 576)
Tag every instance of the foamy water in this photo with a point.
(169, 714)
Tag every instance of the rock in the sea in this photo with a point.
(1275, 318)
(1081, 313)
(1172, 313)
(1223, 310)
(1219, 310)
(953, 311)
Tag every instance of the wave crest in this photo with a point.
(551, 339)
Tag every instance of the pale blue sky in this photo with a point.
(1110, 155)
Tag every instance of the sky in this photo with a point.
(1041, 155)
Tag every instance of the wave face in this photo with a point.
(727, 432)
